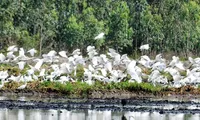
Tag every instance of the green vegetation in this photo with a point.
(83, 89)
(167, 25)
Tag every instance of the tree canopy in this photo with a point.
(166, 25)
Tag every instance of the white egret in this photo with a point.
(90, 68)
(55, 67)
(34, 77)
(146, 61)
(156, 77)
(76, 52)
(91, 54)
(50, 56)
(10, 55)
(144, 47)
(22, 86)
(88, 74)
(125, 60)
(91, 51)
(98, 77)
(42, 73)
(100, 36)
(21, 55)
(63, 54)
(69, 67)
(132, 72)
(31, 70)
(108, 66)
(79, 59)
(90, 48)
(52, 53)
(12, 48)
(111, 52)
(117, 59)
(38, 64)
(2, 84)
(65, 68)
(180, 65)
(27, 78)
(21, 52)
(104, 72)
(159, 66)
(2, 58)
(21, 65)
(159, 58)
(3, 75)
(72, 60)
(95, 61)
(15, 78)
(32, 51)
(195, 62)
(174, 61)
(63, 79)
(104, 58)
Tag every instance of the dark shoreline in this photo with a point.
(104, 94)
(114, 100)
(136, 105)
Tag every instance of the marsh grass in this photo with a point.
(82, 89)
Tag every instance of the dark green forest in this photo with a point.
(166, 25)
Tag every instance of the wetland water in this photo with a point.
(38, 114)
(27, 108)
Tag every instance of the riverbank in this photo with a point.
(99, 90)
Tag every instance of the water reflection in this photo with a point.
(37, 114)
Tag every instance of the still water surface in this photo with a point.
(38, 114)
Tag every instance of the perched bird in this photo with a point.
(52, 53)
(10, 55)
(176, 63)
(42, 73)
(63, 54)
(21, 52)
(2, 57)
(15, 78)
(100, 36)
(22, 86)
(3, 75)
(12, 48)
(132, 72)
(63, 79)
(2, 84)
(91, 51)
(76, 52)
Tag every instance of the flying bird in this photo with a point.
(21, 65)
(32, 51)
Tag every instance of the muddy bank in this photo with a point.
(105, 94)
(137, 105)
(180, 100)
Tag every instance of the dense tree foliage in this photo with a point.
(167, 25)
